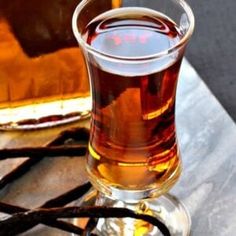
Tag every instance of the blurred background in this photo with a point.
(212, 50)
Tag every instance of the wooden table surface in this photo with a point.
(207, 137)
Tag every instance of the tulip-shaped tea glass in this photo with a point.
(133, 52)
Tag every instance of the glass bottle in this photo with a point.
(43, 80)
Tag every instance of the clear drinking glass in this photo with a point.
(133, 54)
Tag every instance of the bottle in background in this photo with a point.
(43, 80)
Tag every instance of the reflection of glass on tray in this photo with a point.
(43, 80)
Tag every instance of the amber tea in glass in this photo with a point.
(133, 56)
(133, 110)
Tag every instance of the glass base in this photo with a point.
(166, 208)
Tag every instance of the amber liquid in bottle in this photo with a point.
(43, 79)
(133, 142)
(48, 86)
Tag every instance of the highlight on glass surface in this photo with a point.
(43, 80)
(133, 54)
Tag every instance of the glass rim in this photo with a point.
(150, 57)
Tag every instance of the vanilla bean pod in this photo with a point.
(68, 227)
(78, 134)
(12, 225)
(32, 152)
(61, 200)
(11, 209)
(68, 197)
(90, 226)
(18, 172)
